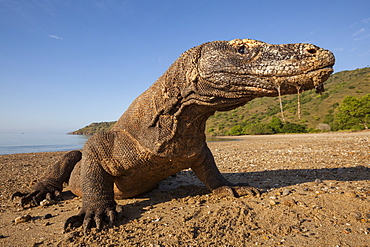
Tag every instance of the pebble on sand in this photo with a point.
(22, 219)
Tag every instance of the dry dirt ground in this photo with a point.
(316, 193)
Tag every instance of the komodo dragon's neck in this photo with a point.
(169, 118)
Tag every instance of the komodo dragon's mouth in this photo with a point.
(313, 79)
(237, 85)
(269, 85)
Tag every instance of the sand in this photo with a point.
(316, 192)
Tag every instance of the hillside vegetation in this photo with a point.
(94, 128)
(263, 116)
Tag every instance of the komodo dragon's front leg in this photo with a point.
(98, 197)
(95, 182)
(208, 173)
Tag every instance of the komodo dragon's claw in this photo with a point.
(73, 221)
(17, 194)
(26, 198)
(35, 197)
(93, 219)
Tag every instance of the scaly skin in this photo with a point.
(162, 132)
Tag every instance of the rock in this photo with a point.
(22, 219)
(156, 218)
(47, 216)
(272, 202)
(147, 208)
(286, 192)
(350, 194)
(289, 203)
(45, 202)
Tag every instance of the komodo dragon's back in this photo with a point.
(162, 132)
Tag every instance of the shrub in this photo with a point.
(259, 129)
(236, 130)
(293, 128)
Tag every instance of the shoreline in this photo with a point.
(257, 137)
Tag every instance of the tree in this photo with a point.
(353, 111)
(276, 124)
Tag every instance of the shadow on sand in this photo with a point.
(185, 184)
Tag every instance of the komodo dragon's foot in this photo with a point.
(94, 216)
(50, 186)
(36, 196)
(237, 191)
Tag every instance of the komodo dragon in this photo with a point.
(162, 132)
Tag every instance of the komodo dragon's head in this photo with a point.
(233, 72)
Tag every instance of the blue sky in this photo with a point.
(67, 63)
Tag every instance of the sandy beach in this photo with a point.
(316, 192)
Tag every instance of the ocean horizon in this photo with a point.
(12, 143)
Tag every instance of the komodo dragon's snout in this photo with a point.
(162, 131)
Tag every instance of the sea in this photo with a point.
(12, 143)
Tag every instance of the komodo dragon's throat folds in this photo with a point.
(162, 132)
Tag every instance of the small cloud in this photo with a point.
(358, 32)
(55, 37)
(362, 37)
(367, 20)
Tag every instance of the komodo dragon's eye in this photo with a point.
(241, 49)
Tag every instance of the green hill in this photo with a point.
(315, 108)
(94, 128)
